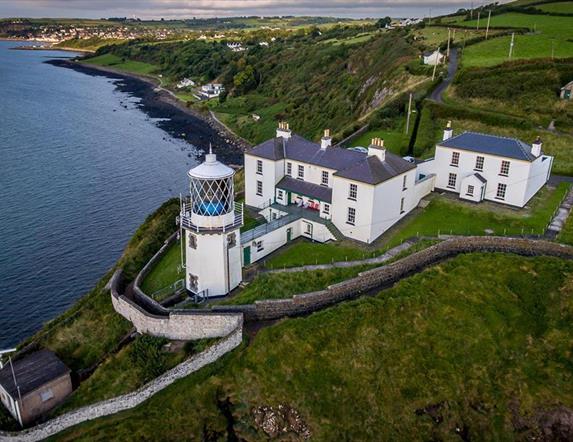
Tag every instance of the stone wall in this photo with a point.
(173, 324)
(390, 274)
(130, 400)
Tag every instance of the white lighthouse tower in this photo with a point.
(211, 221)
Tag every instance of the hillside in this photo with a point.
(444, 354)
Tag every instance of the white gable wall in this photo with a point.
(272, 174)
(361, 230)
(538, 175)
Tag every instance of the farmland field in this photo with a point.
(559, 8)
(549, 35)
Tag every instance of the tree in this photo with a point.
(383, 22)
(245, 80)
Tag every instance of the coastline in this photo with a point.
(176, 118)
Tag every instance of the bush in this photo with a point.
(148, 356)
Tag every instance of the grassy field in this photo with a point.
(394, 141)
(167, 271)
(559, 7)
(549, 35)
(460, 348)
(113, 61)
(432, 36)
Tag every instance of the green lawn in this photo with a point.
(551, 33)
(113, 61)
(167, 271)
(461, 345)
(393, 140)
(442, 216)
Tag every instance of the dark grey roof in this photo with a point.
(349, 164)
(311, 190)
(373, 171)
(298, 148)
(32, 371)
(492, 145)
(480, 177)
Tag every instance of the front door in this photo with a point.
(247, 255)
(289, 234)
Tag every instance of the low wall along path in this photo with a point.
(154, 319)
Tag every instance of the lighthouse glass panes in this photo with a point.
(212, 197)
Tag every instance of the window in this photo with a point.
(308, 228)
(192, 241)
(402, 206)
(455, 159)
(479, 164)
(352, 192)
(324, 181)
(260, 188)
(46, 395)
(300, 172)
(259, 245)
(351, 218)
(279, 194)
(501, 188)
(504, 168)
(452, 180)
(404, 182)
(326, 209)
(193, 283)
(259, 167)
(232, 240)
(470, 191)
(289, 169)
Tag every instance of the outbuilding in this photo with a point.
(34, 384)
(567, 91)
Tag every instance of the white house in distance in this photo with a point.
(488, 167)
(433, 57)
(211, 90)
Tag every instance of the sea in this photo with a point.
(82, 164)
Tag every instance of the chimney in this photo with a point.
(377, 148)
(283, 130)
(448, 132)
(326, 140)
(536, 147)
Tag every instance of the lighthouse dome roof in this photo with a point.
(211, 169)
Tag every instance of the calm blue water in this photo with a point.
(81, 166)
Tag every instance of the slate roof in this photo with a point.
(492, 145)
(480, 177)
(347, 163)
(311, 190)
(371, 170)
(32, 371)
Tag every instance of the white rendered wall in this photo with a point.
(471, 180)
(217, 268)
(363, 205)
(272, 174)
(516, 181)
(539, 174)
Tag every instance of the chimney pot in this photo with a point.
(448, 131)
(283, 130)
(326, 140)
(536, 147)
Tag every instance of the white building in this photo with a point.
(433, 57)
(186, 82)
(210, 222)
(235, 46)
(354, 194)
(211, 90)
(487, 167)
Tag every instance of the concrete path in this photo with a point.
(437, 93)
(377, 260)
(560, 216)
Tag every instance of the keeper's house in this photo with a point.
(488, 167)
(358, 195)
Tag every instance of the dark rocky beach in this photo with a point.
(173, 116)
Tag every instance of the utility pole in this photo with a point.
(477, 26)
(436, 63)
(552, 49)
(511, 45)
(409, 113)
(448, 50)
(487, 27)
(472, 11)
(430, 17)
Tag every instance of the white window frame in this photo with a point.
(404, 182)
(351, 216)
(479, 163)
(504, 168)
(280, 194)
(289, 168)
(326, 209)
(260, 246)
(324, 178)
(402, 206)
(353, 192)
(259, 167)
(455, 160)
(259, 188)
(300, 172)
(470, 191)
(501, 191)
(452, 178)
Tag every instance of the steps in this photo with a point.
(560, 216)
(334, 230)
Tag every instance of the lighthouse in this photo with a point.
(210, 223)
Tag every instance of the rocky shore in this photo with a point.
(172, 114)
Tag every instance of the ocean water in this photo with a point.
(81, 166)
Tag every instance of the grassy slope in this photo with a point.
(91, 328)
(462, 334)
(166, 272)
(559, 7)
(550, 31)
(443, 215)
(113, 61)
